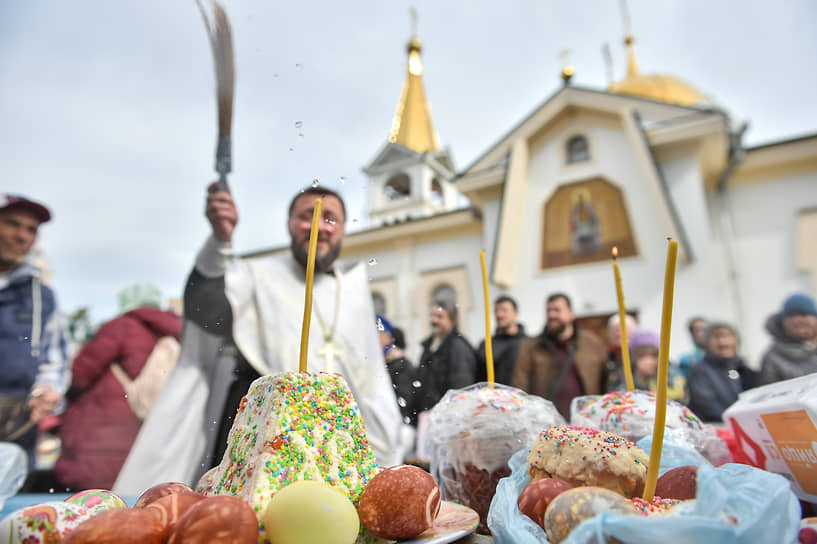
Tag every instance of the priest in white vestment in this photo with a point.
(243, 320)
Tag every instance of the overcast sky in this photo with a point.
(108, 108)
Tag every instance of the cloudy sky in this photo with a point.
(108, 109)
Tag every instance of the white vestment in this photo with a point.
(266, 295)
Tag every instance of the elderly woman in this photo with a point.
(714, 383)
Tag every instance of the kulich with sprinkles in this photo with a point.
(631, 414)
(587, 457)
(290, 427)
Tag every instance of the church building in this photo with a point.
(587, 170)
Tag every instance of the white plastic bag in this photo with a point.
(737, 504)
(13, 470)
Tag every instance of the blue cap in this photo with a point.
(384, 325)
(798, 304)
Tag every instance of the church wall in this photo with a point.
(591, 285)
(455, 253)
(702, 286)
(765, 223)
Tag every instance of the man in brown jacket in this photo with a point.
(562, 362)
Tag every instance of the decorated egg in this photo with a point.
(119, 526)
(43, 523)
(158, 491)
(216, 519)
(537, 496)
(170, 508)
(399, 503)
(97, 501)
(575, 505)
(309, 512)
(678, 483)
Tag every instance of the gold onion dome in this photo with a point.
(659, 87)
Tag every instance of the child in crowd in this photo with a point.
(644, 360)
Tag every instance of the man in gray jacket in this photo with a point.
(793, 351)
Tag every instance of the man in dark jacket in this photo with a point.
(562, 362)
(505, 342)
(448, 360)
(793, 351)
(717, 380)
(34, 366)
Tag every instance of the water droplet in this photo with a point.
(51, 490)
(406, 420)
(301, 135)
(126, 395)
(402, 402)
(315, 182)
(299, 66)
(416, 384)
(292, 149)
(372, 262)
(354, 220)
(299, 124)
(342, 180)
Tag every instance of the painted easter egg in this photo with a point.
(97, 501)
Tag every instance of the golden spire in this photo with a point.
(412, 125)
(629, 41)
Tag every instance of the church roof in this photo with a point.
(412, 126)
(658, 87)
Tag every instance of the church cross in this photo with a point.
(329, 351)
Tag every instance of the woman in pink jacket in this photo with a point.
(99, 427)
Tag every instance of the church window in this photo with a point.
(578, 150)
(444, 293)
(379, 302)
(398, 187)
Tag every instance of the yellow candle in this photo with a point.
(663, 371)
(310, 279)
(622, 315)
(489, 352)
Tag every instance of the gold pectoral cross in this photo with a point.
(329, 351)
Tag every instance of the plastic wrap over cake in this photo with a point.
(473, 432)
(631, 414)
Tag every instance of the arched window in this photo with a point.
(379, 302)
(398, 187)
(444, 292)
(578, 150)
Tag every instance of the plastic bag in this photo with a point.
(737, 504)
(13, 470)
(472, 432)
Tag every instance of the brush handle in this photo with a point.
(224, 161)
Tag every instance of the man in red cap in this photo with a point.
(34, 366)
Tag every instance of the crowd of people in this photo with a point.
(242, 320)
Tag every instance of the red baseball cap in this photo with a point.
(8, 202)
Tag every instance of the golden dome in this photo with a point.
(660, 87)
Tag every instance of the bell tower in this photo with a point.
(411, 176)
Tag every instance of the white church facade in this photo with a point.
(646, 159)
